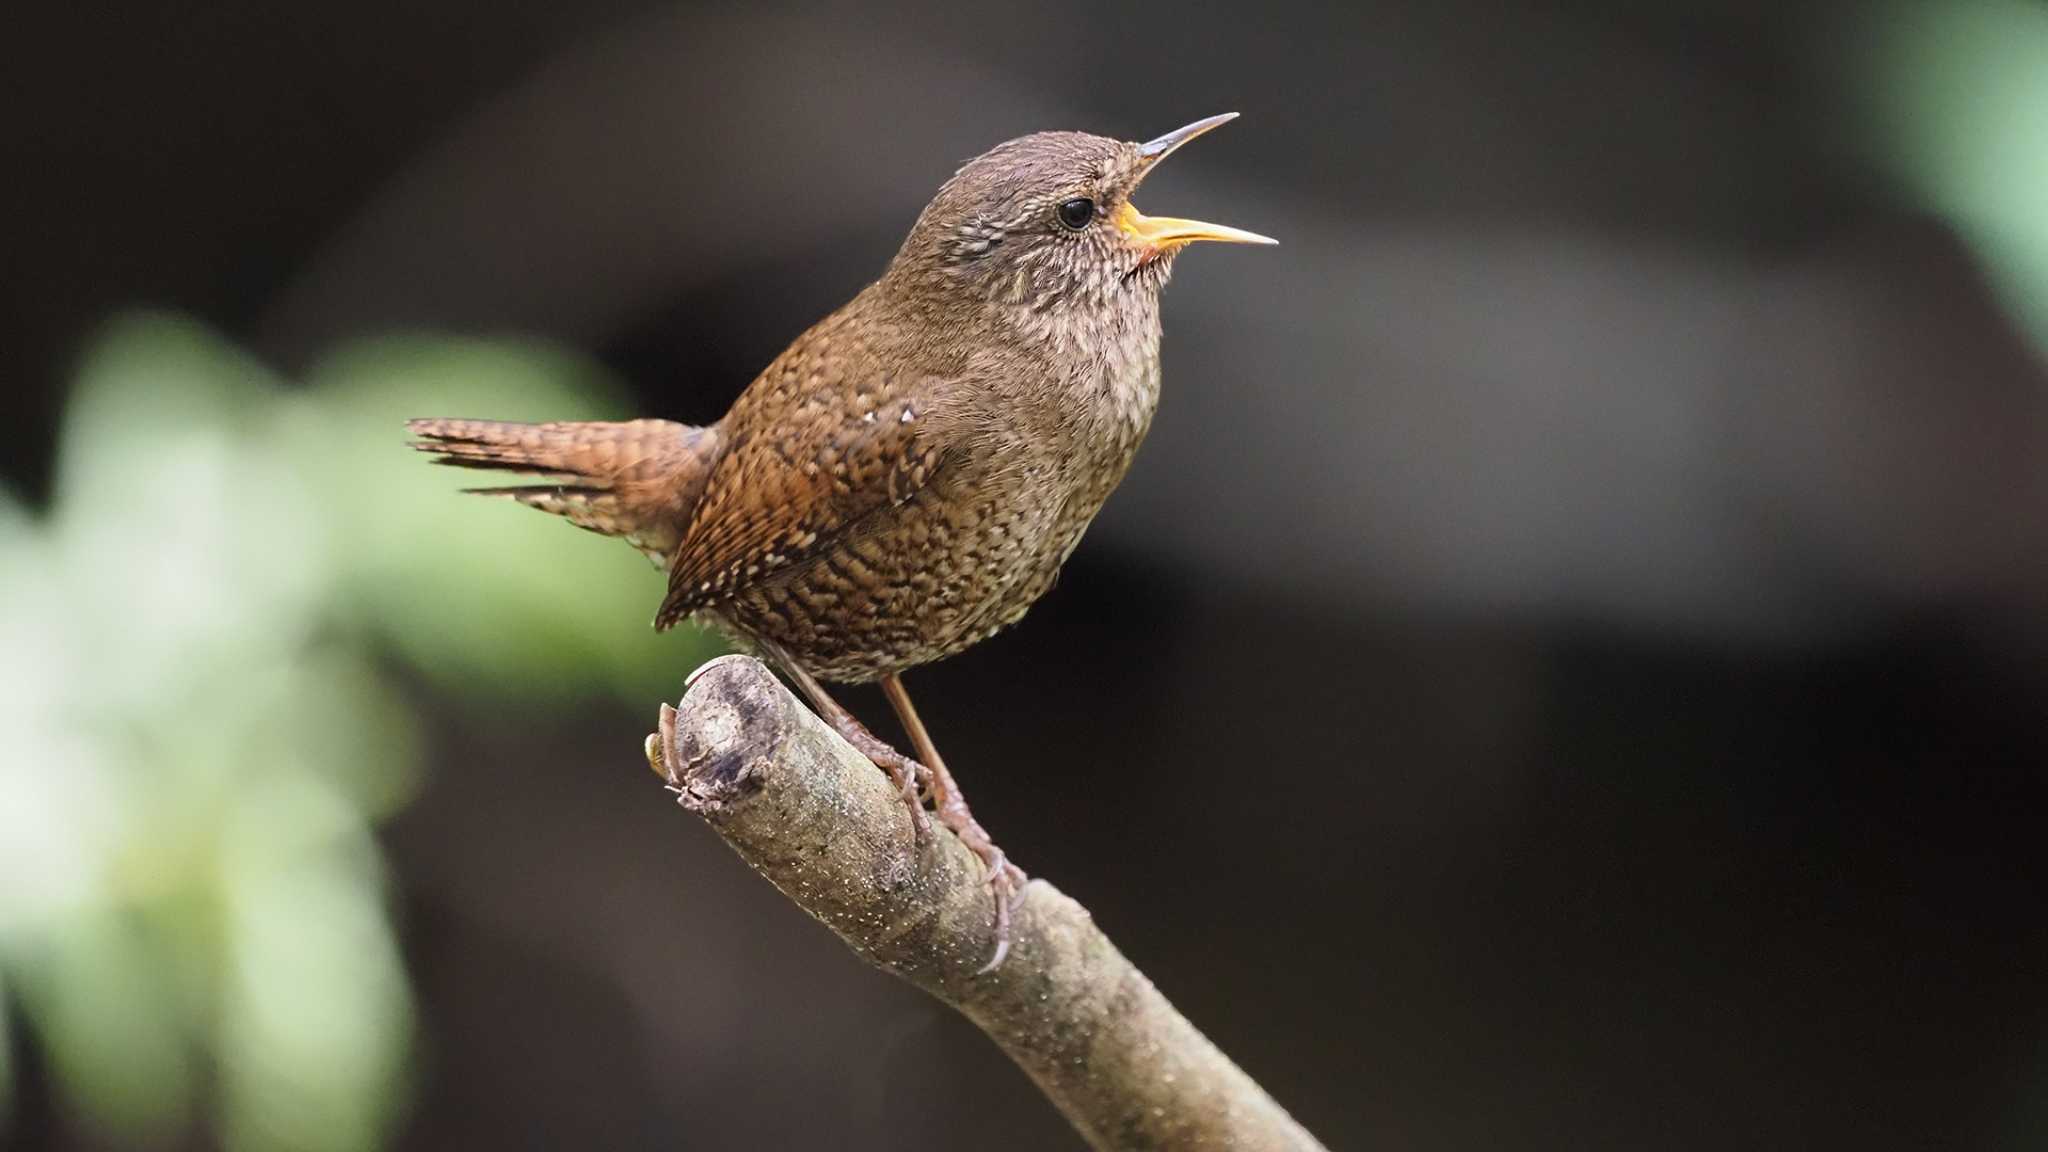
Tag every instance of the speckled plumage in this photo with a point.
(909, 475)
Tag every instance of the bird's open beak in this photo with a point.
(1167, 232)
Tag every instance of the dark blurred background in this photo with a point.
(1566, 671)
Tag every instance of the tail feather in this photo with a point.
(639, 480)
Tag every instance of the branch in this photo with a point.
(829, 830)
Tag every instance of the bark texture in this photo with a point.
(827, 829)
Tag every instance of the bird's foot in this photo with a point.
(915, 779)
(912, 778)
(1005, 880)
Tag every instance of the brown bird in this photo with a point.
(909, 475)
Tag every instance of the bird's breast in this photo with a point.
(1109, 406)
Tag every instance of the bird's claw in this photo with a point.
(915, 781)
(1006, 885)
(1006, 882)
(911, 778)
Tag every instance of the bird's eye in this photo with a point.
(1076, 213)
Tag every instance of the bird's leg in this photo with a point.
(1005, 880)
(909, 775)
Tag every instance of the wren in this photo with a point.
(907, 477)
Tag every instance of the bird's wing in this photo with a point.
(823, 440)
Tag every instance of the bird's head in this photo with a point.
(1046, 222)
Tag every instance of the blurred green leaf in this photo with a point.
(185, 533)
(169, 657)
(111, 1023)
(315, 1003)
(1958, 94)
(194, 675)
(480, 593)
